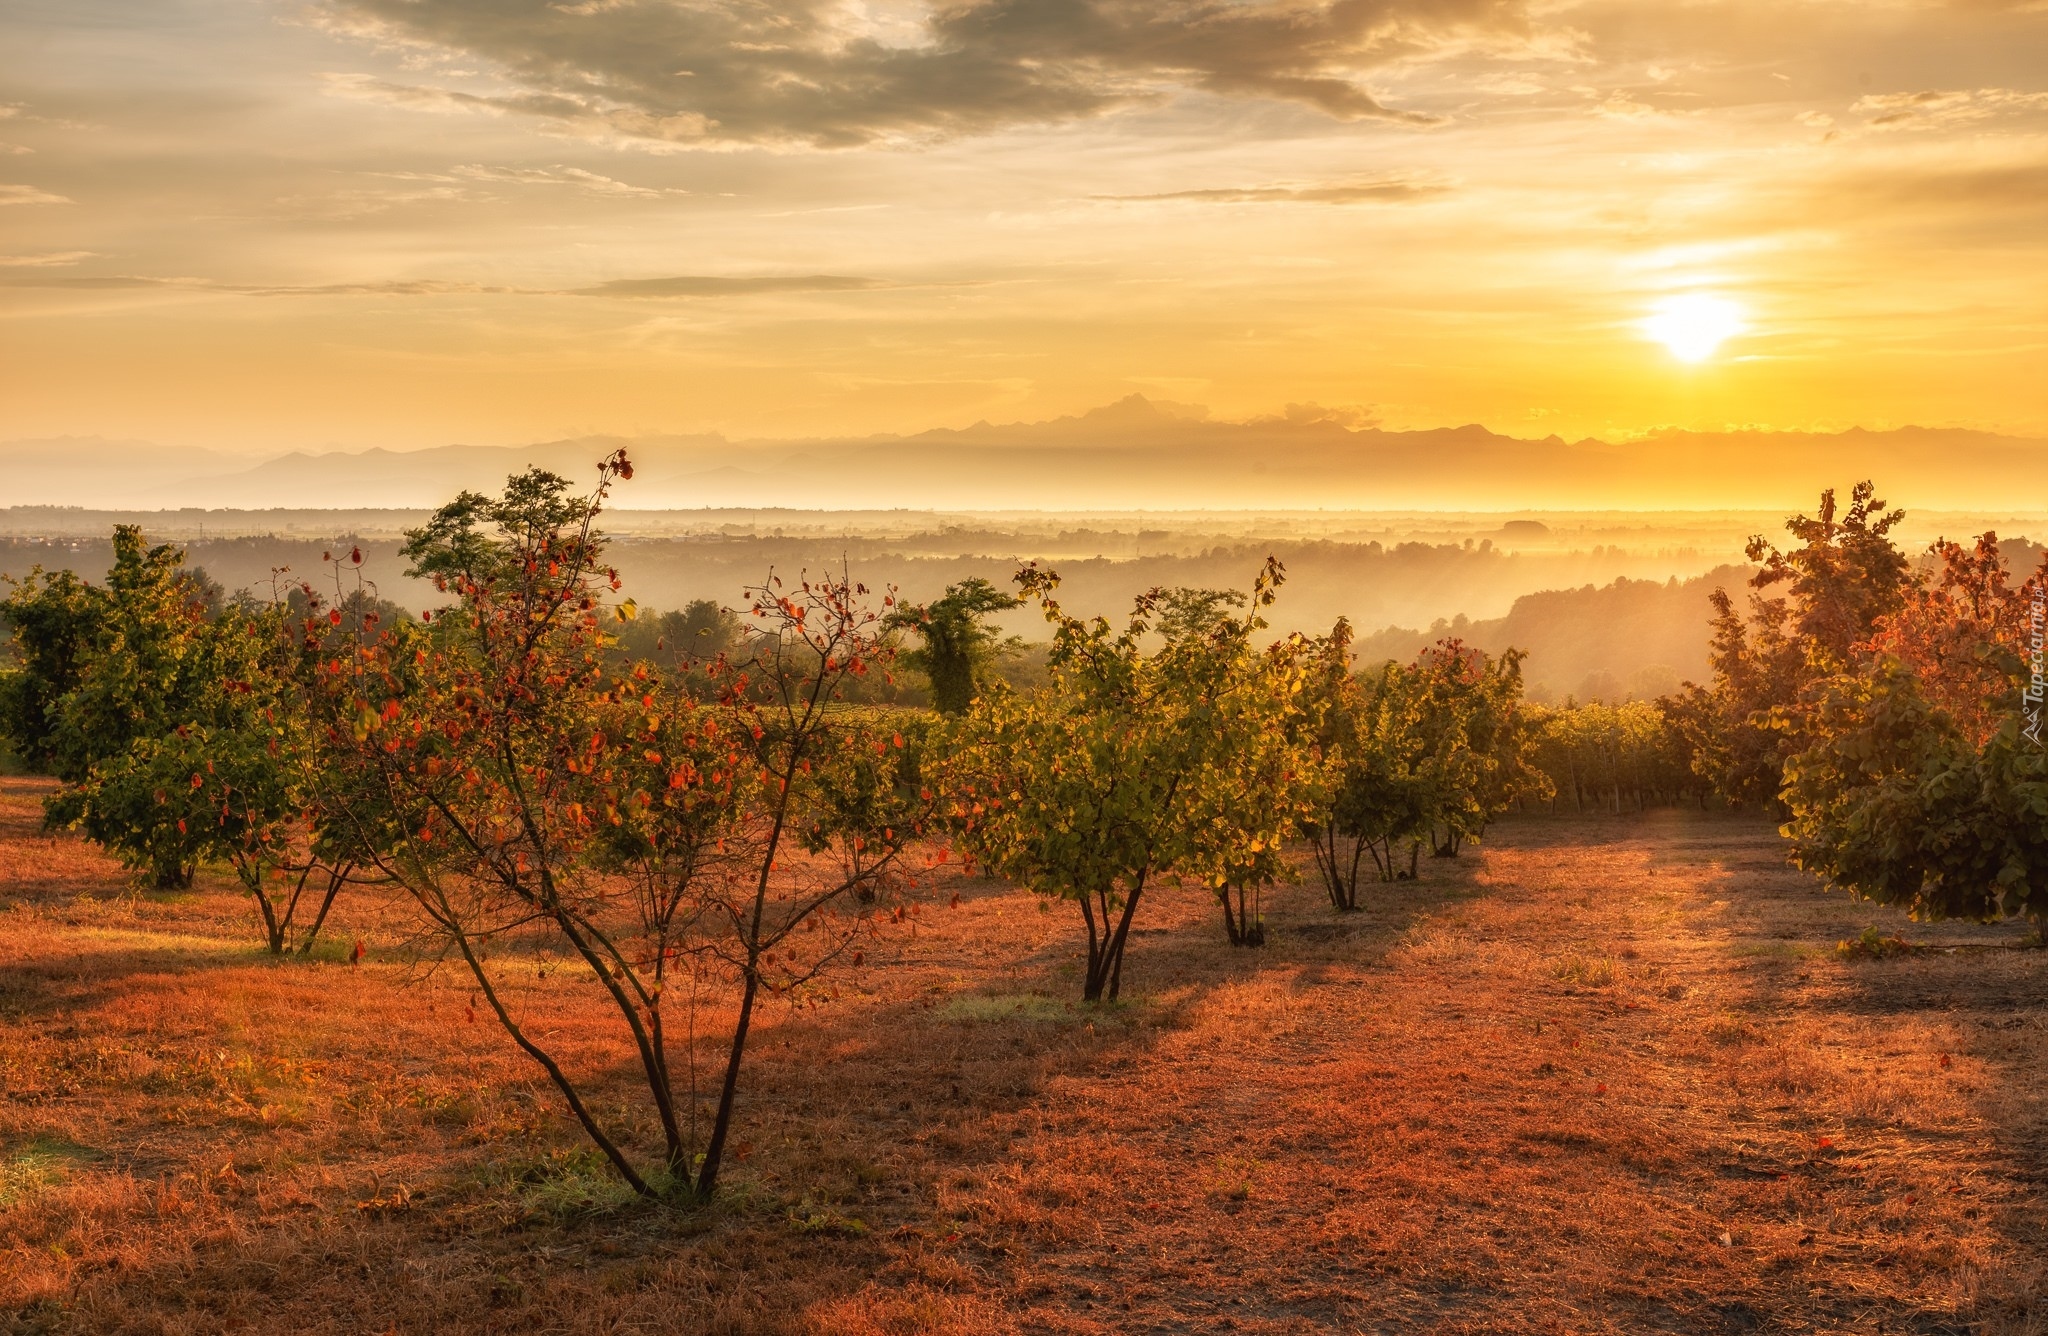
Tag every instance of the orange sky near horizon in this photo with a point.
(258, 225)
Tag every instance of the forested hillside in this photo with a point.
(1632, 639)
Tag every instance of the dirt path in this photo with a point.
(1616, 1081)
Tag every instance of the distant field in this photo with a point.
(1600, 1075)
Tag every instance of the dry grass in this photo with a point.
(1598, 1076)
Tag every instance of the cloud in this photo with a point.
(2019, 187)
(678, 286)
(29, 195)
(44, 260)
(1940, 108)
(1352, 417)
(725, 287)
(98, 282)
(562, 176)
(1361, 192)
(833, 74)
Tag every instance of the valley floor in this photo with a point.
(1597, 1075)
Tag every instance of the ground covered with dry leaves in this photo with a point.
(1597, 1075)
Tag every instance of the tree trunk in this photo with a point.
(1106, 960)
(714, 1150)
(1243, 925)
(335, 878)
(1340, 878)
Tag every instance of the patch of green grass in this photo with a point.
(40, 1162)
(1015, 1007)
(1872, 944)
(1234, 1177)
(1587, 971)
(1779, 950)
(574, 1183)
(809, 1219)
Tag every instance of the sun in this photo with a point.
(1693, 325)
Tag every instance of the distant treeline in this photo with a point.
(1640, 626)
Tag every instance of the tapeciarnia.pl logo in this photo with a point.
(2037, 635)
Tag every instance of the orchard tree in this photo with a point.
(523, 786)
(1960, 627)
(1380, 791)
(1476, 737)
(760, 829)
(1892, 802)
(53, 618)
(1844, 575)
(1617, 756)
(1426, 752)
(1256, 782)
(1919, 783)
(1332, 723)
(1082, 790)
(258, 778)
(1759, 666)
(180, 725)
(154, 666)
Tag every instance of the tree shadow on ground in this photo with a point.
(855, 1122)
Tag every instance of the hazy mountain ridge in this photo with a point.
(1131, 454)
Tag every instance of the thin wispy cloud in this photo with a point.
(1357, 192)
(20, 194)
(1934, 108)
(575, 178)
(727, 287)
(45, 260)
(682, 286)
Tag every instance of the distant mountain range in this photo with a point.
(1133, 454)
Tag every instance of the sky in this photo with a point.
(262, 225)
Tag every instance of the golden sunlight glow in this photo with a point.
(1150, 205)
(1692, 326)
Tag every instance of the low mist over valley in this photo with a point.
(1607, 604)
